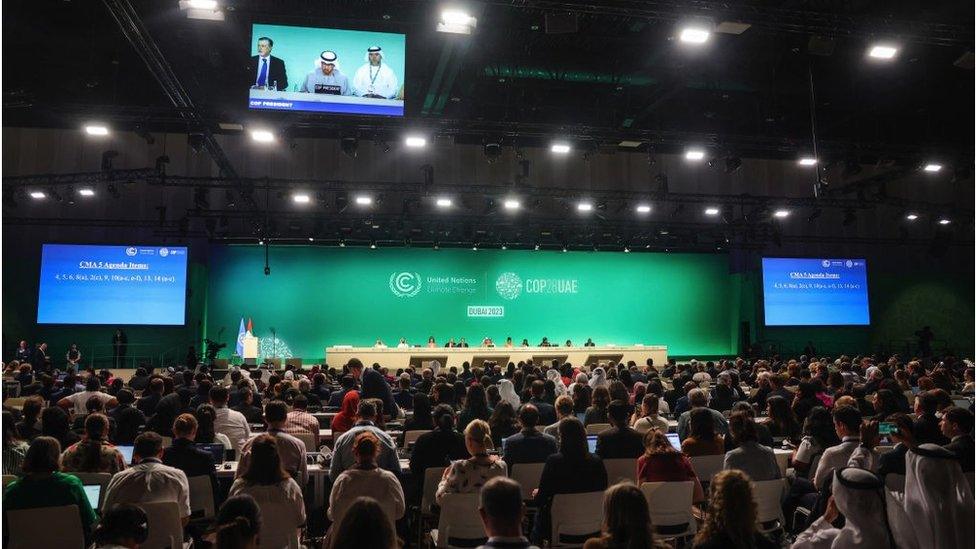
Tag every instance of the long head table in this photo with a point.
(392, 357)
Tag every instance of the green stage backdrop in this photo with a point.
(317, 297)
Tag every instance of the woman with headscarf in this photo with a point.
(858, 496)
(506, 389)
(599, 378)
(347, 416)
(557, 380)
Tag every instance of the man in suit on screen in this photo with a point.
(266, 70)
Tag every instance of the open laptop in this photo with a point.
(94, 494)
(215, 449)
(591, 442)
(126, 453)
(673, 439)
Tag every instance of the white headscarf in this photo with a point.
(435, 367)
(859, 497)
(938, 498)
(506, 391)
(557, 379)
(599, 378)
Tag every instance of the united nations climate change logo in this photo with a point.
(130, 251)
(405, 284)
(163, 252)
(508, 285)
(825, 263)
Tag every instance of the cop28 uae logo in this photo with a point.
(508, 285)
(405, 284)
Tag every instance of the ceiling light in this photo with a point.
(455, 17)
(694, 35)
(364, 200)
(536, 247)
(311, 239)
(504, 246)
(932, 168)
(202, 4)
(444, 202)
(626, 250)
(880, 51)
(711, 211)
(475, 247)
(37, 195)
(911, 216)
(643, 208)
(96, 129)
(781, 213)
(560, 148)
(86, 192)
(564, 249)
(456, 21)
(944, 221)
(415, 141)
(512, 204)
(808, 161)
(301, 198)
(262, 136)
(584, 207)
(694, 154)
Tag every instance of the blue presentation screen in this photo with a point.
(326, 70)
(83, 284)
(815, 292)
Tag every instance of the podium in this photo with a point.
(250, 350)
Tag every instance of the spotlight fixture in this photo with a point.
(86, 192)
(350, 146)
(694, 35)
(38, 195)
(456, 21)
(474, 248)
(96, 129)
(512, 204)
(626, 250)
(694, 154)
(882, 51)
(262, 136)
(932, 168)
(504, 246)
(807, 161)
(444, 202)
(301, 198)
(364, 200)
(260, 243)
(415, 141)
(944, 221)
(564, 249)
(584, 207)
(492, 151)
(202, 4)
(911, 216)
(372, 245)
(712, 211)
(536, 247)
(781, 214)
(643, 208)
(311, 239)
(560, 148)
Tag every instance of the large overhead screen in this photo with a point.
(89, 284)
(326, 70)
(815, 291)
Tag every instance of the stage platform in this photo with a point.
(418, 357)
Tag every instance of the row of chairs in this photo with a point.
(409, 437)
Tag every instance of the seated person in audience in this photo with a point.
(206, 415)
(364, 524)
(702, 440)
(342, 454)
(245, 406)
(312, 399)
(139, 380)
(722, 398)
(957, 426)
(347, 416)
(762, 432)
(194, 462)
(503, 422)
(698, 399)
(44, 485)
(30, 424)
(125, 526)
(818, 435)
(14, 448)
(291, 450)
(404, 396)
(438, 447)
(77, 401)
(374, 386)
(93, 406)
(927, 428)
(750, 457)
(681, 403)
(93, 454)
(547, 413)
(421, 420)
(530, 445)
(847, 423)
(238, 524)
(475, 406)
(465, 476)
(647, 416)
(805, 400)
(300, 421)
(320, 388)
(502, 511)
(347, 383)
(268, 483)
(366, 478)
(855, 497)
(661, 462)
(54, 423)
(626, 521)
(147, 404)
(169, 407)
(565, 407)
(782, 422)
(573, 470)
(227, 421)
(893, 461)
(202, 395)
(731, 517)
(127, 418)
(597, 413)
(619, 441)
(148, 480)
